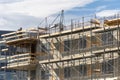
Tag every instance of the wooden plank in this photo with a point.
(80, 29)
(24, 66)
(15, 36)
(11, 33)
(103, 29)
(16, 55)
(21, 41)
(112, 22)
(18, 59)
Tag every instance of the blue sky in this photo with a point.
(96, 7)
(28, 13)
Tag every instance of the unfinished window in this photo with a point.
(43, 75)
(75, 44)
(67, 72)
(107, 38)
(67, 45)
(107, 67)
(82, 70)
(82, 43)
(33, 48)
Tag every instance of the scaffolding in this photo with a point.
(88, 49)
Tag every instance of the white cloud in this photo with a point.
(9, 1)
(2, 21)
(106, 13)
(13, 22)
(41, 8)
(27, 13)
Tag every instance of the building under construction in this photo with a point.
(87, 49)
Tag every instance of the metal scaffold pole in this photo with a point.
(118, 44)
